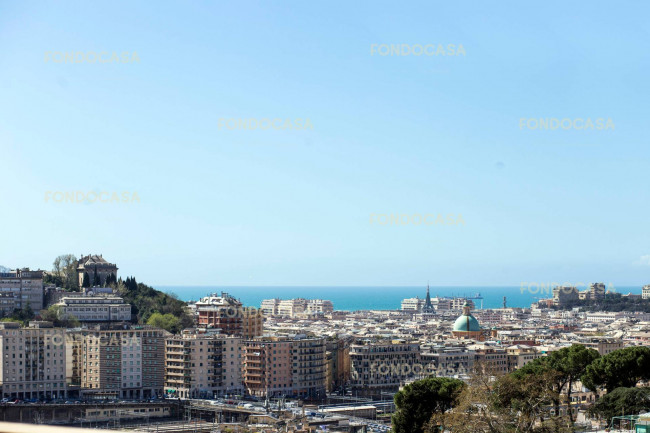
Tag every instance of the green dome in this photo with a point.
(466, 324)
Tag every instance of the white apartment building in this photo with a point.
(33, 361)
(295, 307)
(99, 308)
(602, 317)
(413, 304)
(645, 292)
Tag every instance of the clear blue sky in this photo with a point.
(391, 134)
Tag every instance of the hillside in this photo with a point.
(146, 300)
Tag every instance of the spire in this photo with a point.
(428, 307)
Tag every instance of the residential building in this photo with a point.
(280, 366)
(645, 292)
(33, 361)
(413, 304)
(202, 363)
(296, 307)
(382, 367)
(227, 314)
(20, 288)
(564, 294)
(121, 362)
(604, 346)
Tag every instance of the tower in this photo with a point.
(428, 307)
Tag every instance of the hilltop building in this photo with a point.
(93, 270)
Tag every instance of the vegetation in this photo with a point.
(527, 400)
(145, 301)
(564, 368)
(621, 368)
(64, 273)
(622, 401)
(53, 314)
(168, 322)
(417, 402)
(494, 403)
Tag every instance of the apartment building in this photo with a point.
(645, 292)
(121, 362)
(446, 361)
(285, 366)
(202, 363)
(493, 359)
(98, 308)
(337, 359)
(413, 304)
(564, 294)
(269, 307)
(296, 307)
(379, 367)
(520, 355)
(252, 322)
(319, 306)
(268, 367)
(308, 367)
(596, 291)
(226, 313)
(33, 361)
(604, 346)
(19, 288)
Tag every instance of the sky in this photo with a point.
(388, 134)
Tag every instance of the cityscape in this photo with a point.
(285, 216)
(81, 345)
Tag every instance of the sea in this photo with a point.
(356, 298)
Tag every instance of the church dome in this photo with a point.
(466, 322)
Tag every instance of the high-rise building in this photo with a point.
(121, 362)
(596, 291)
(382, 367)
(202, 363)
(564, 294)
(285, 367)
(33, 361)
(20, 288)
(296, 307)
(228, 315)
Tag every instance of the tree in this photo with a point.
(564, 368)
(86, 280)
(621, 368)
(53, 314)
(65, 267)
(417, 402)
(110, 280)
(496, 403)
(168, 322)
(628, 401)
(96, 280)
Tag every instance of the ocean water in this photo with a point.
(374, 298)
